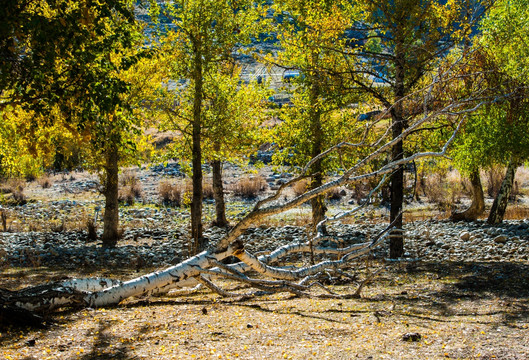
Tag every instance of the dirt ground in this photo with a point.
(446, 311)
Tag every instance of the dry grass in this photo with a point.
(15, 187)
(58, 226)
(170, 193)
(516, 212)
(207, 190)
(460, 311)
(250, 187)
(300, 187)
(45, 181)
(130, 187)
(444, 190)
(3, 217)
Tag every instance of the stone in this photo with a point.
(500, 239)
(465, 235)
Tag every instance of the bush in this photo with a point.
(45, 182)
(207, 190)
(91, 228)
(15, 187)
(300, 187)
(250, 187)
(360, 190)
(445, 190)
(335, 194)
(130, 187)
(58, 226)
(494, 176)
(170, 193)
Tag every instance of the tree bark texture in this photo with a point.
(497, 212)
(196, 202)
(398, 123)
(317, 203)
(111, 216)
(478, 201)
(218, 194)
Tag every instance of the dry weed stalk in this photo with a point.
(131, 188)
(249, 187)
(3, 216)
(170, 193)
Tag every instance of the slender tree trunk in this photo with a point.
(396, 245)
(478, 201)
(500, 202)
(111, 216)
(317, 203)
(218, 194)
(196, 203)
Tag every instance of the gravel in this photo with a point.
(430, 240)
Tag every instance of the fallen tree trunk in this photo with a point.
(204, 267)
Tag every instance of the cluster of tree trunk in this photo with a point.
(499, 206)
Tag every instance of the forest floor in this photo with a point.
(411, 311)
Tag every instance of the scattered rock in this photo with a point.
(411, 337)
(465, 235)
(500, 239)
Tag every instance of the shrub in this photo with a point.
(130, 187)
(300, 187)
(3, 216)
(335, 194)
(360, 190)
(445, 190)
(91, 228)
(250, 187)
(45, 182)
(170, 193)
(58, 226)
(207, 191)
(16, 188)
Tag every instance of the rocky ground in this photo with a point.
(465, 295)
(50, 229)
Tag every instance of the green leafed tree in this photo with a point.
(205, 37)
(392, 49)
(311, 39)
(496, 134)
(234, 126)
(67, 61)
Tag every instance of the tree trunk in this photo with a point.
(218, 194)
(196, 203)
(398, 123)
(111, 216)
(478, 201)
(500, 202)
(98, 292)
(317, 203)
